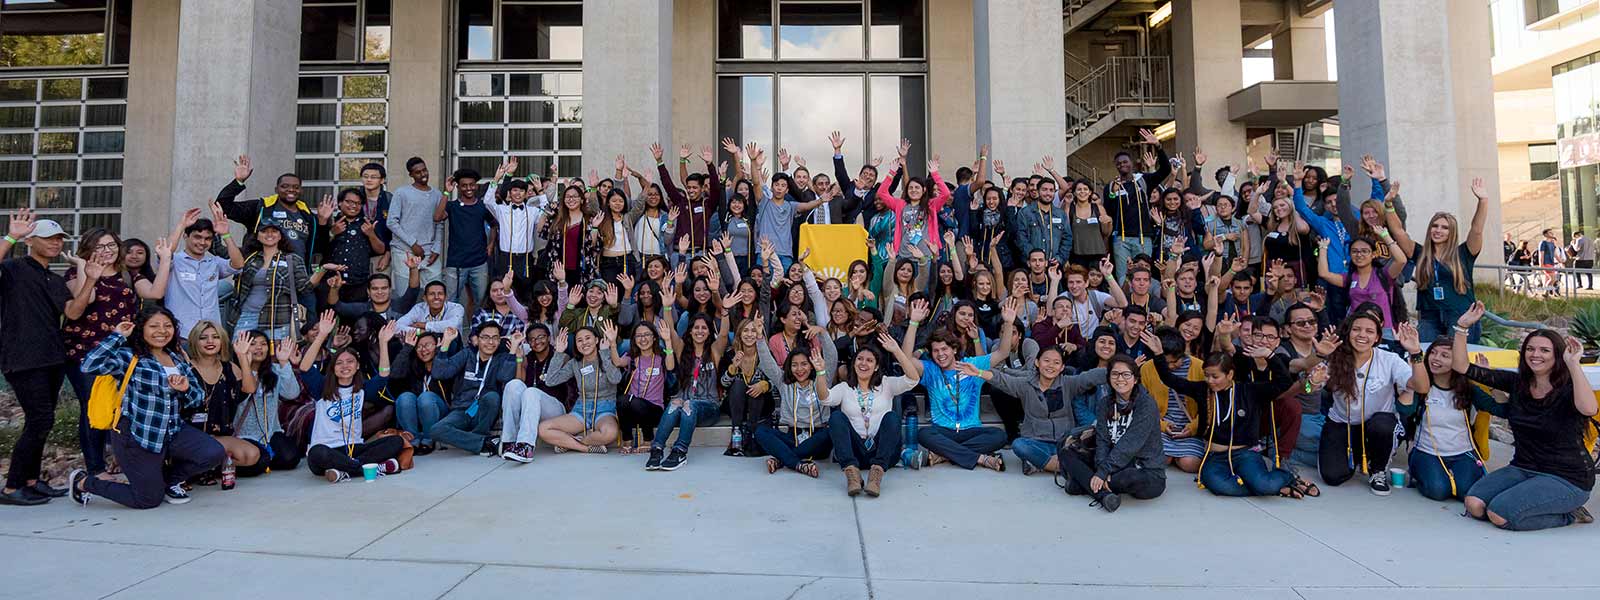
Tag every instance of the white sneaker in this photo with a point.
(1379, 483)
(336, 476)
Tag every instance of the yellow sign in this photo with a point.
(833, 248)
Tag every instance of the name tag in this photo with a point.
(802, 436)
(742, 225)
(1093, 221)
(589, 370)
(278, 214)
(699, 209)
(1274, 235)
(1056, 220)
(1438, 293)
(187, 277)
(470, 376)
(198, 419)
(653, 371)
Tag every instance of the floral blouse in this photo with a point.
(113, 303)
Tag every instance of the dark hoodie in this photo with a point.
(1130, 440)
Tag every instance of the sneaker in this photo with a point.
(43, 489)
(491, 447)
(1029, 469)
(389, 467)
(1581, 516)
(654, 464)
(1380, 483)
(1111, 502)
(519, 452)
(336, 476)
(22, 497)
(423, 449)
(675, 459)
(176, 495)
(598, 450)
(78, 478)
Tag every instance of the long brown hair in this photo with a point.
(90, 239)
(608, 222)
(1559, 376)
(1459, 384)
(1342, 363)
(1450, 256)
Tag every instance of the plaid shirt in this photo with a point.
(149, 406)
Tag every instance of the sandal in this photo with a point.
(773, 465)
(1291, 492)
(934, 459)
(990, 461)
(1306, 488)
(809, 469)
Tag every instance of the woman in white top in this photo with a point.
(1444, 460)
(616, 245)
(864, 427)
(1366, 382)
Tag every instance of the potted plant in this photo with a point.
(1586, 327)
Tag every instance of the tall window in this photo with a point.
(518, 86)
(342, 110)
(791, 72)
(64, 33)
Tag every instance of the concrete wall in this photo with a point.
(627, 78)
(1512, 161)
(152, 88)
(1300, 48)
(1525, 116)
(418, 88)
(1021, 109)
(694, 80)
(952, 102)
(1207, 60)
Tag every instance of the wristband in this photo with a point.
(11, 239)
(317, 270)
(1416, 359)
(684, 160)
(224, 236)
(1461, 330)
(915, 322)
(667, 351)
(383, 370)
(519, 360)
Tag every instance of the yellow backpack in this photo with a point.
(105, 399)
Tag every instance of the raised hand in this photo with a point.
(904, 148)
(706, 155)
(1479, 189)
(22, 224)
(1470, 318)
(611, 294)
(1106, 268)
(219, 219)
(1149, 137)
(1010, 308)
(684, 151)
(730, 146)
(241, 168)
(608, 330)
(124, 328)
(387, 332)
(450, 335)
(1199, 157)
(783, 158)
(933, 165)
(656, 151)
(558, 342)
(1228, 324)
(1407, 335)
(626, 280)
(966, 368)
(919, 310)
(837, 139)
(325, 208)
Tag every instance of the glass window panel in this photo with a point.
(53, 39)
(315, 191)
(102, 169)
(100, 196)
(112, 221)
(16, 144)
(58, 170)
(17, 116)
(68, 224)
(533, 139)
(105, 115)
(896, 29)
(361, 141)
(16, 171)
(543, 32)
(571, 138)
(533, 111)
(481, 164)
(365, 113)
(819, 31)
(13, 198)
(19, 89)
(812, 107)
(314, 169)
(569, 164)
(366, 86)
(350, 167)
(55, 197)
(328, 32)
(479, 85)
(571, 111)
(317, 114)
(534, 165)
(313, 142)
(58, 143)
(899, 109)
(63, 89)
(481, 139)
(745, 110)
(323, 87)
(108, 88)
(476, 37)
(59, 116)
(745, 29)
(98, 142)
(375, 48)
(122, 32)
(526, 84)
(482, 112)
(571, 84)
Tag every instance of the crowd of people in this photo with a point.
(1227, 323)
(1539, 267)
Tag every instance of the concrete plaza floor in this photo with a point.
(600, 527)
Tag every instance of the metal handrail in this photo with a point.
(1526, 278)
(1121, 81)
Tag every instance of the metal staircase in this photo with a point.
(1125, 88)
(1077, 13)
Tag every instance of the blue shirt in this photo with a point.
(1330, 228)
(192, 288)
(469, 234)
(953, 397)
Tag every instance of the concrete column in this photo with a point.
(1300, 48)
(1422, 103)
(152, 89)
(627, 79)
(239, 66)
(1207, 65)
(418, 87)
(1019, 79)
(694, 90)
(951, 96)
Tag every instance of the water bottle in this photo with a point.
(911, 456)
(738, 437)
(228, 476)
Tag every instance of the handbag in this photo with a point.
(406, 451)
(105, 399)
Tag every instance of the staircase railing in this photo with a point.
(1121, 81)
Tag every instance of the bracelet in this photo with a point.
(982, 157)
(684, 160)
(1461, 330)
(11, 239)
(667, 351)
(1416, 359)
(519, 360)
(224, 236)
(383, 370)
(915, 322)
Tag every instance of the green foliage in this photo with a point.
(1519, 307)
(63, 434)
(1586, 325)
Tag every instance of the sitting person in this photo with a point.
(1127, 448)
(1444, 460)
(151, 435)
(524, 407)
(478, 374)
(592, 424)
(263, 383)
(1550, 406)
(419, 397)
(864, 428)
(698, 404)
(1048, 418)
(956, 434)
(802, 382)
(1362, 419)
(1179, 420)
(337, 449)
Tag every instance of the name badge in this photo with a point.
(1093, 221)
(802, 436)
(1438, 293)
(198, 419)
(1056, 220)
(589, 370)
(699, 209)
(470, 376)
(653, 371)
(742, 225)
(187, 277)
(1274, 235)
(278, 214)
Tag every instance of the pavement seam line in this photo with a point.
(861, 540)
(497, 466)
(458, 583)
(796, 591)
(155, 575)
(1257, 506)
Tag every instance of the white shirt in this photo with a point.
(1377, 383)
(338, 422)
(1446, 432)
(518, 229)
(879, 401)
(1087, 314)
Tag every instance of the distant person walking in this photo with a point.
(1582, 251)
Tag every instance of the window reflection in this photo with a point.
(375, 46)
(812, 107)
(896, 29)
(745, 29)
(543, 32)
(820, 31)
(745, 111)
(477, 30)
(899, 111)
(888, 107)
(53, 39)
(328, 32)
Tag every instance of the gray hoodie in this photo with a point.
(798, 405)
(1137, 441)
(1047, 414)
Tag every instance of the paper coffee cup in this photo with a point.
(369, 471)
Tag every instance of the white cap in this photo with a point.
(45, 228)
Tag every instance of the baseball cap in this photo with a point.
(46, 228)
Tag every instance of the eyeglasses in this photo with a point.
(1121, 375)
(1303, 322)
(107, 246)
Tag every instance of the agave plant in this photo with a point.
(1586, 327)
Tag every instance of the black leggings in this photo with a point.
(349, 460)
(1143, 483)
(279, 454)
(747, 411)
(634, 411)
(1341, 450)
(1010, 410)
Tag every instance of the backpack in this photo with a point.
(105, 399)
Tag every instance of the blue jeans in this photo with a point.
(1033, 452)
(1431, 478)
(849, 450)
(459, 281)
(700, 414)
(467, 431)
(1529, 500)
(1246, 475)
(1432, 324)
(252, 322)
(781, 445)
(417, 413)
(90, 440)
(962, 447)
(1306, 447)
(1123, 249)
